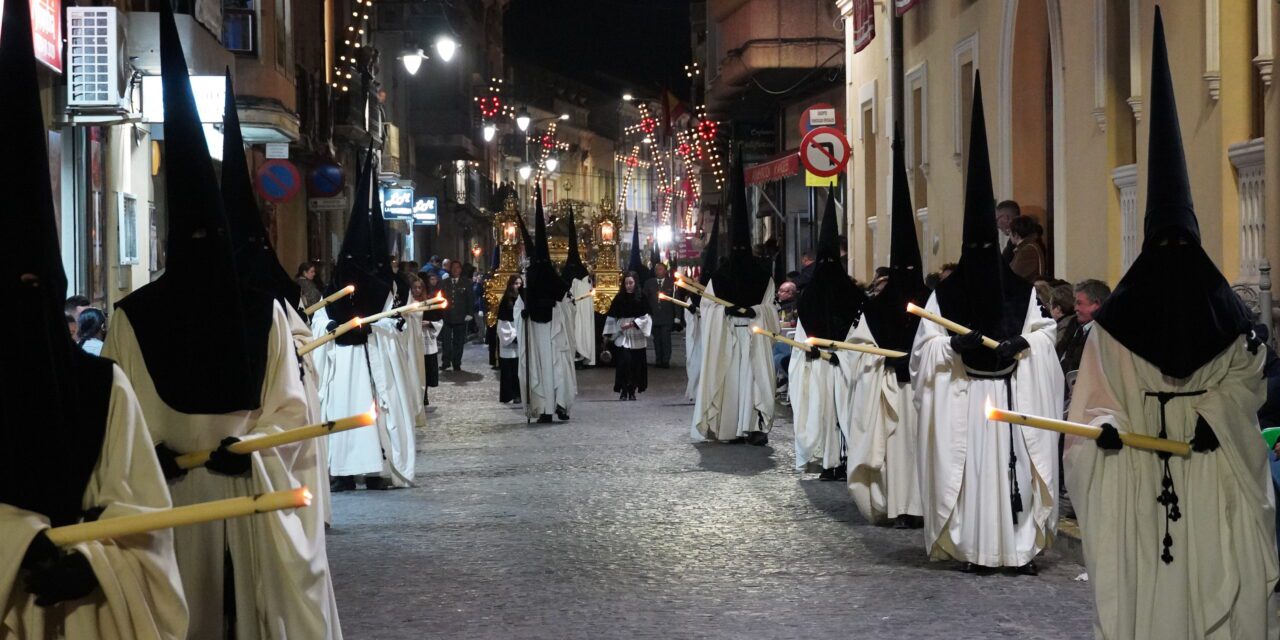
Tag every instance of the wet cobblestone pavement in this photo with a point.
(614, 525)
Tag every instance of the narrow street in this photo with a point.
(614, 526)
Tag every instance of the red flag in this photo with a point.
(864, 24)
(672, 109)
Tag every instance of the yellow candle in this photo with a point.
(686, 286)
(1137, 441)
(123, 526)
(667, 298)
(198, 458)
(953, 327)
(338, 295)
(329, 337)
(691, 285)
(850, 346)
(787, 341)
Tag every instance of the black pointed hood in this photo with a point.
(831, 303)
(573, 267)
(636, 263)
(886, 314)
(543, 286)
(982, 293)
(356, 264)
(55, 396)
(256, 259)
(711, 251)
(230, 319)
(1173, 308)
(743, 280)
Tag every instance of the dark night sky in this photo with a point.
(643, 43)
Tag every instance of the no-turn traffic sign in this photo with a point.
(824, 152)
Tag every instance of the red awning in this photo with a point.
(778, 167)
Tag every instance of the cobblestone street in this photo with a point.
(614, 526)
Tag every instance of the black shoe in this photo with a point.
(1029, 569)
(458, 369)
(622, 395)
(758, 438)
(631, 395)
(969, 567)
(841, 472)
(562, 414)
(338, 484)
(902, 522)
(827, 475)
(376, 483)
(544, 418)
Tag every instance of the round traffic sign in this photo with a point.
(278, 181)
(824, 152)
(827, 116)
(326, 180)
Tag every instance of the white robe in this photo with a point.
(820, 394)
(636, 337)
(546, 362)
(1224, 546)
(140, 594)
(964, 458)
(692, 352)
(313, 469)
(354, 378)
(431, 337)
(400, 379)
(882, 432)
(507, 338)
(584, 321)
(282, 584)
(736, 387)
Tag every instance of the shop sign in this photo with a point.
(425, 211)
(778, 168)
(210, 93)
(397, 203)
(46, 31)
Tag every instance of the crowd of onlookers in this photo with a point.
(87, 324)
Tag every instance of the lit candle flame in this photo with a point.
(444, 304)
(356, 321)
(756, 329)
(912, 308)
(371, 416)
(811, 341)
(990, 411)
(350, 289)
(302, 497)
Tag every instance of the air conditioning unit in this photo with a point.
(97, 82)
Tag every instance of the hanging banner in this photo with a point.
(900, 7)
(864, 24)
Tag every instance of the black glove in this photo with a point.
(1253, 341)
(834, 360)
(69, 576)
(901, 367)
(967, 343)
(1110, 438)
(740, 312)
(400, 323)
(169, 462)
(678, 327)
(524, 313)
(332, 326)
(1009, 349)
(226, 463)
(41, 551)
(812, 354)
(1205, 439)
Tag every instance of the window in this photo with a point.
(284, 35)
(964, 63)
(127, 229)
(917, 134)
(239, 33)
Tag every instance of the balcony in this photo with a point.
(770, 43)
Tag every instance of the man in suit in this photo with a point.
(1090, 294)
(663, 314)
(1006, 211)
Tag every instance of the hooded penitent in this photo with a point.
(886, 314)
(224, 323)
(831, 303)
(573, 267)
(1173, 308)
(543, 286)
(983, 293)
(710, 259)
(357, 264)
(55, 396)
(743, 279)
(256, 259)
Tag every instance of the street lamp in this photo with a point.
(490, 130)
(413, 60)
(552, 164)
(627, 97)
(526, 170)
(446, 46)
(664, 235)
(564, 116)
(523, 119)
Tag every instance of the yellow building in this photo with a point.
(1064, 83)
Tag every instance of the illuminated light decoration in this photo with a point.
(633, 161)
(684, 150)
(548, 142)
